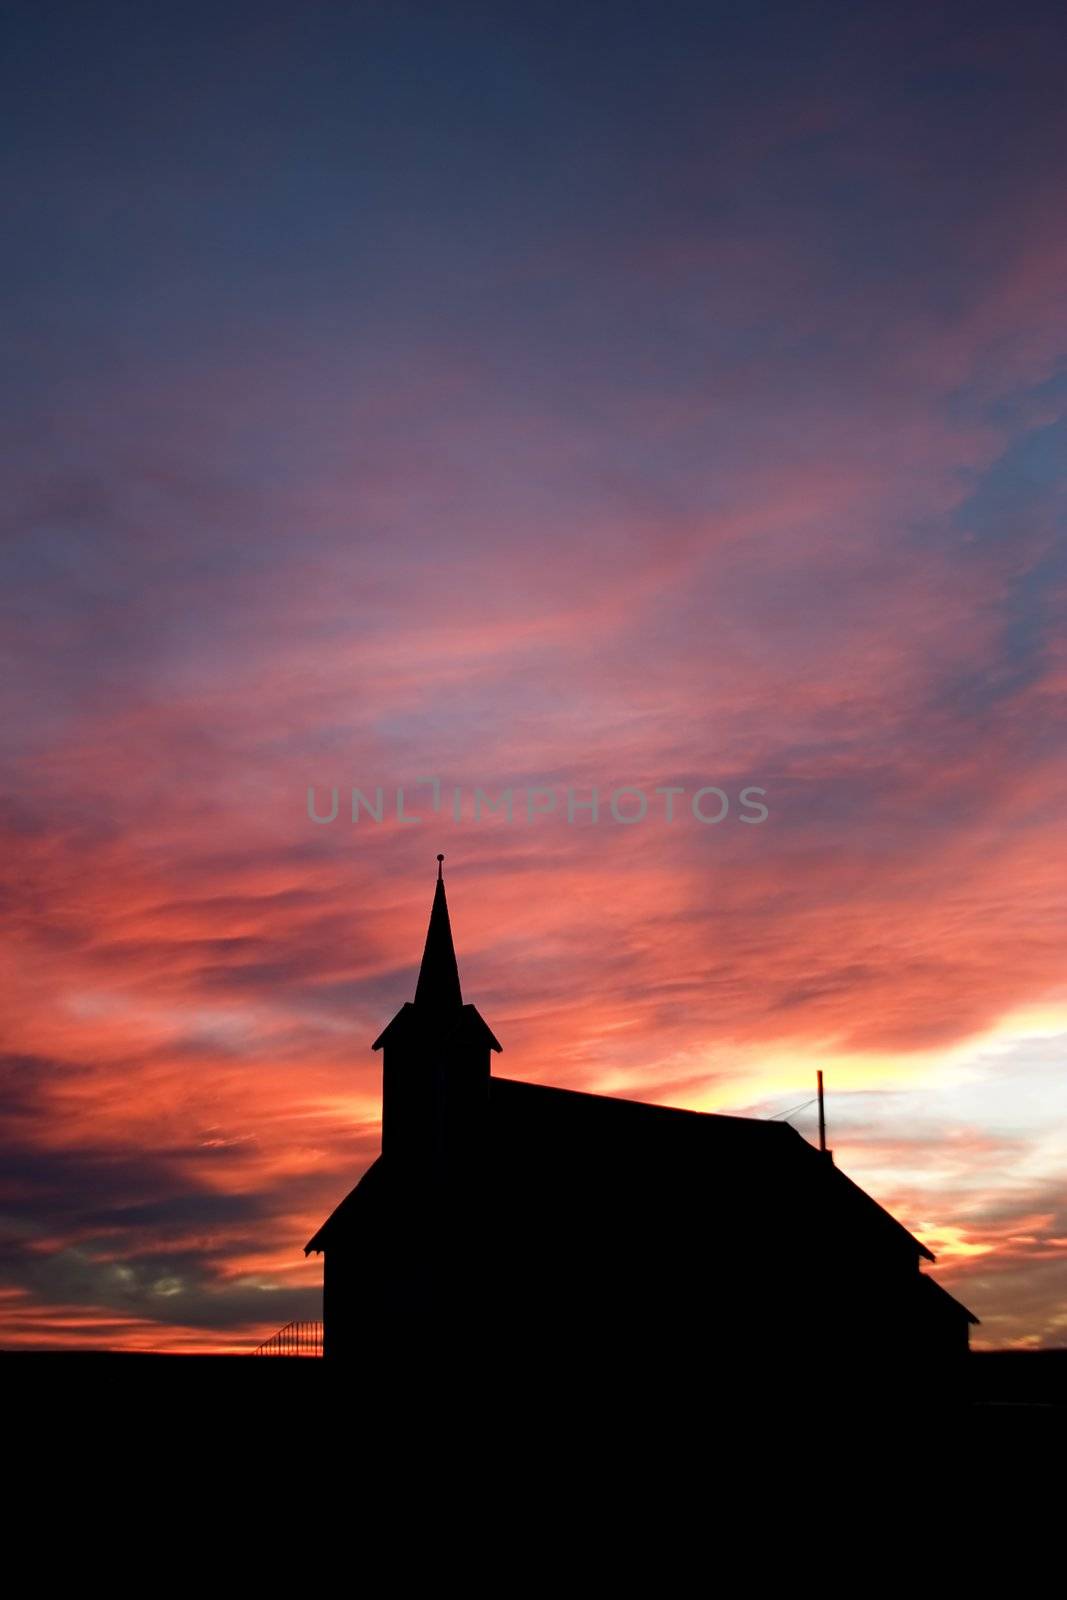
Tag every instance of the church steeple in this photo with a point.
(438, 1010)
(438, 987)
(435, 1068)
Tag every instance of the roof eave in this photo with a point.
(409, 1019)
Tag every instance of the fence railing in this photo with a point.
(295, 1339)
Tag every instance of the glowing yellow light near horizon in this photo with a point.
(948, 1241)
(1046, 1021)
(756, 1072)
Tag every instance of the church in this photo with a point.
(574, 1230)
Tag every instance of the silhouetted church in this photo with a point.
(575, 1228)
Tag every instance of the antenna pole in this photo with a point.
(822, 1116)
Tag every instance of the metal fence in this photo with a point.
(295, 1339)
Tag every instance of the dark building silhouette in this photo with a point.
(576, 1229)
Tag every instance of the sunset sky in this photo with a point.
(530, 396)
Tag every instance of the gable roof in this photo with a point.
(768, 1160)
(538, 1131)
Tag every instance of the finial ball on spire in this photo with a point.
(439, 860)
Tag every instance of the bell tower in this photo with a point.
(435, 1071)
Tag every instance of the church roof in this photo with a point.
(540, 1133)
(352, 1208)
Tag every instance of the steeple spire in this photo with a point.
(438, 986)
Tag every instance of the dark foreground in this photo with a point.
(281, 1447)
(242, 1398)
